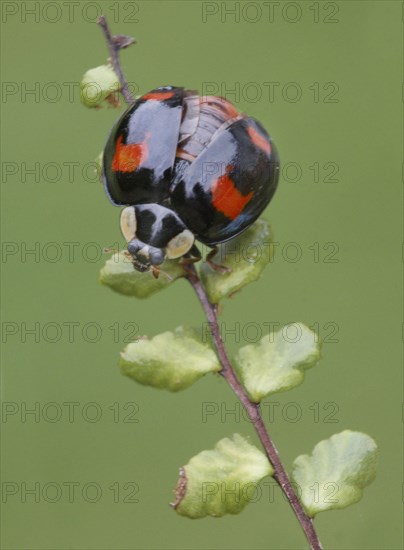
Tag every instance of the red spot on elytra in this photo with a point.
(259, 140)
(128, 158)
(226, 198)
(158, 96)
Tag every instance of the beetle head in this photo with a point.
(144, 256)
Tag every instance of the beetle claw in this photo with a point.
(213, 265)
(217, 267)
(155, 271)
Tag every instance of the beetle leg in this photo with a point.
(216, 267)
(117, 251)
(192, 256)
(156, 272)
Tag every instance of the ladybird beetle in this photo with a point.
(186, 167)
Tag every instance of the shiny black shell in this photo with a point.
(216, 168)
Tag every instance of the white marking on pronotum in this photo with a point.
(180, 244)
(128, 223)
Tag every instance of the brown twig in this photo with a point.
(114, 47)
(227, 371)
(253, 411)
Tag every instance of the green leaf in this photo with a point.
(120, 275)
(335, 475)
(172, 361)
(246, 255)
(99, 84)
(278, 361)
(221, 481)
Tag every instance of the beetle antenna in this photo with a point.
(108, 250)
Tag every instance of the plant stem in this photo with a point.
(253, 412)
(114, 55)
(227, 371)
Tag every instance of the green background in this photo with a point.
(360, 293)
